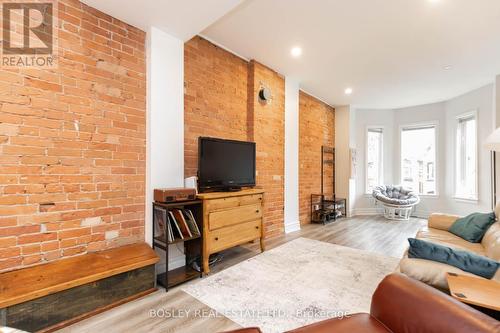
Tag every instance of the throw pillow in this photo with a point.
(473, 227)
(466, 261)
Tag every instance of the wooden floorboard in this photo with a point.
(374, 234)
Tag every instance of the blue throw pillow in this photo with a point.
(473, 227)
(466, 261)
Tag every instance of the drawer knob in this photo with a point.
(257, 211)
(257, 227)
(216, 238)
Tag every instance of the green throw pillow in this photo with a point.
(465, 260)
(473, 227)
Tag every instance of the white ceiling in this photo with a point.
(180, 18)
(391, 52)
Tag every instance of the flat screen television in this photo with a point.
(225, 165)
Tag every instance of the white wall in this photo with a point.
(352, 145)
(342, 158)
(497, 100)
(482, 101)
(444, 114)
(291, 214)
(364, 203)
(497, 124)
(165, 124)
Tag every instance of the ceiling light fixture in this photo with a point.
(348, 91)
(296, 52)
(448, 67)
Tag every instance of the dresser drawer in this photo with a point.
(218, 204)
(225, 238)
(224, 203)
(251, 199)
(232, 216)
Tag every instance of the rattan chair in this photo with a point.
(398, 202)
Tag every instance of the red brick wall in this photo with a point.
(215, 98)
(267, 129)
(66, 189)
(316, 128)
(221, 101)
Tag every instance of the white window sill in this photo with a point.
(467, 200)
(425, 196)
(429, 196)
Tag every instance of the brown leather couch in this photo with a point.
(404, 305)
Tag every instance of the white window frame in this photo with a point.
(437, 175)
(381, 169)
(468, 114)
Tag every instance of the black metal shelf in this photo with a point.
(177, 276)
(192, 245)
(177, 204)
(327, 208)
(326, 211)
(160, 241)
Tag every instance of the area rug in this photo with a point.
(298, 283)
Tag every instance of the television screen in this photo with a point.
(225, 164)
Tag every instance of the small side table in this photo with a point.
(475, 291)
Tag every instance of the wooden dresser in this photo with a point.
(231, 219)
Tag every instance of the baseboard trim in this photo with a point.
(367, 211)
(421, 214)
(292, 227)
(380, 211)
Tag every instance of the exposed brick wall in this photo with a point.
(316, 128)
(72, 143)
(221, 101)
(266, 124)
(215, 99)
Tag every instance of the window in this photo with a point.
(430, 171)
(418, 159)
(374, 158)
(466, 158)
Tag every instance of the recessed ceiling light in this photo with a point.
(448, 67)
(348, 91)
(296, 52)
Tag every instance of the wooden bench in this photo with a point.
(50, 296)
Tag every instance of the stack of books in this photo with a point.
(176, 224)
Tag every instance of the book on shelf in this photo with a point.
(159, 219)
(175, 226)
(191, 221)
(170, 232)
(163, 227)
(174, 234)
(181, 221)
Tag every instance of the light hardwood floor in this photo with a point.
(374, 234)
